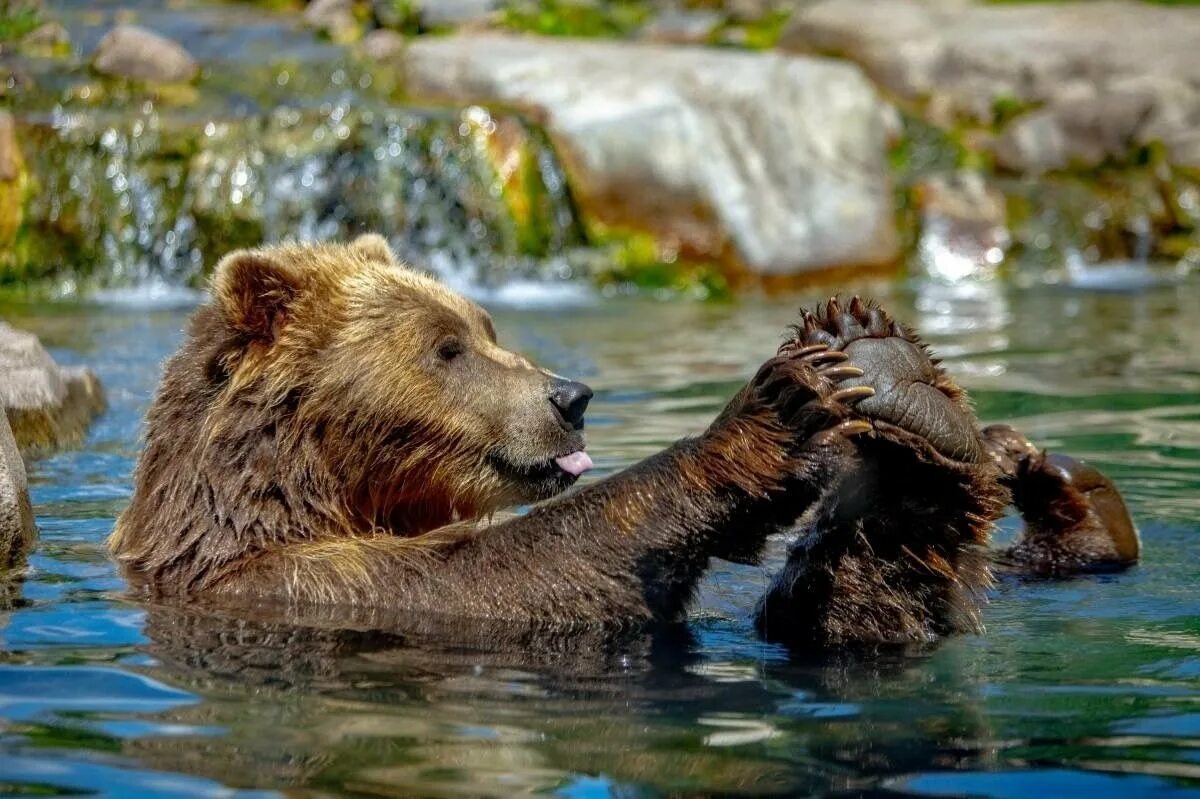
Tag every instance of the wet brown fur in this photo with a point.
(308, 451)
(1075, 519)
(303, 452)
(895, 550)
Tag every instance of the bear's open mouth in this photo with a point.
(555, 473)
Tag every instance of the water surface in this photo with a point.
(1085, 686)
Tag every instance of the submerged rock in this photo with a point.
(47, 405)
(1107, 75)
(128, 51)
(17, 531)
(776, 161)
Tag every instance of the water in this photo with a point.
(1086, 686)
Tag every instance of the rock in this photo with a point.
(455, 13)
(48, 37)
(782, 157)
(10, 153)
(333, 17)
(128, 51)
(17, 531)
(964, 230)
(683, 26)
(47, 405)
(12, 185)
(383, 45)
(971, 57)
(1081, 131)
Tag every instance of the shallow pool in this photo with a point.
(1087, 686)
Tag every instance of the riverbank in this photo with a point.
(688, 149)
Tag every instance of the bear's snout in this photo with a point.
(570, 398)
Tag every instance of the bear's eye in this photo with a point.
(450, 349)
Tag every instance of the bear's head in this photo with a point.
(374, 388)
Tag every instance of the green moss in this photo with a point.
(1006, 108)
(758, 34)
(614, 18)
(17, 19)
(635, 260)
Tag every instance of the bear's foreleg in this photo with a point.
(895, 550)
(626, 551)
(1075, 518)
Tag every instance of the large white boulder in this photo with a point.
(782, 157)
(1104, 76)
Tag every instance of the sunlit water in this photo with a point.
(1080, 687)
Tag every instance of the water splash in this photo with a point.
(153, 200)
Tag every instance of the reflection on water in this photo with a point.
(1082, 686)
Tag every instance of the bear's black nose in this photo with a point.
(571, 399)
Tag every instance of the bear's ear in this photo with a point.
(255, 289)
(374, 247)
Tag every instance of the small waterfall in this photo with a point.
(148, 198)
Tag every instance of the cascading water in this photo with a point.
(153, 199)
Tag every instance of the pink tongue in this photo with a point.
(575, 464)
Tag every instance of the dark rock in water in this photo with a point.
(383, 45)
(17, 531)
(128, 51)
(776, 163)
(47, 405)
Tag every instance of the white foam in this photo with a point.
(1122, 275)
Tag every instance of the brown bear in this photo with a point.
(336, 431)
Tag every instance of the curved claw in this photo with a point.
(853, 394)
(828, 356)
(842, 372)
(854, 427)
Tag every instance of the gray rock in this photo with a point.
(383, 45)
(334, 17)
(128, 51)
(47, 405)
(682, 26)
(17, 531)
(782, 157)
(1078, 131)
(47, 36)
(970, 56)
(455, 13)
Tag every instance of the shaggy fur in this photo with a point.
(895, 549)
(333, 436)
(308, 447)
